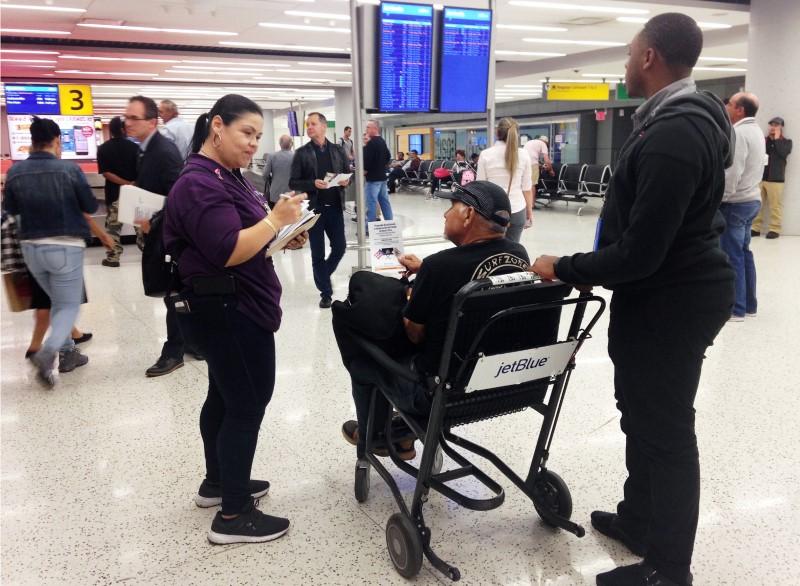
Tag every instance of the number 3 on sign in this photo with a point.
(75, 100)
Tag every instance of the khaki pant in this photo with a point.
(772, 197)
(535, 176)
(113, 227)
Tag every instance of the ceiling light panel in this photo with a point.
(33, 31)
(323, 64)
(27, 52)
(705, 25)
(304, 27)
(724, 59)
(152, 29)
(529, 53)
(531, 27)
(285, 47)
(577, 7)
(40, 8)
(574, 42)
(320, 15)
(127, 59)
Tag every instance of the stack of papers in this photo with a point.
(290, 232)
(334, 180)
(137, 204)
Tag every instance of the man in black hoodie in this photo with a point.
(658, 250)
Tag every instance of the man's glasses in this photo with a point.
(136, 118)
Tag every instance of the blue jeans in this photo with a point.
(59, 271)
(735, 241)
(331, 222)
(377, 193)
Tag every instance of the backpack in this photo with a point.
(467, 176)
(159, 265)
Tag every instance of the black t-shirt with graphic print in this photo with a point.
(443, 274)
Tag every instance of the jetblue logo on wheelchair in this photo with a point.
(514, 368)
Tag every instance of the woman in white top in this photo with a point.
(510, 168)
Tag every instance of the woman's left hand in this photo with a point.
(528, 218)
(298, 241)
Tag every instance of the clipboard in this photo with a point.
(289, 233)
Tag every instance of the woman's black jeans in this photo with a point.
(241, 376)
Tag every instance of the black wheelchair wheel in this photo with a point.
(405, 545)
(362, 482)
(554, 494)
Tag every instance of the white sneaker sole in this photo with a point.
(225, 539)
(207, 502)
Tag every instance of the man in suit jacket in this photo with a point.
(278, 169)
(158, 168)
(311, 163)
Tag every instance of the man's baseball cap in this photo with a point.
(486, 198)
(777, 120)
(544, 138)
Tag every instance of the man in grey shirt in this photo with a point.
(278, 169)
(742, 200)
(175, 128)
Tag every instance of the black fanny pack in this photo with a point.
(216, 285)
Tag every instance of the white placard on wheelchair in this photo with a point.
(514, 368)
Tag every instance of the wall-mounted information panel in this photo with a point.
(32, 99)
(464, 58)
(406, 52)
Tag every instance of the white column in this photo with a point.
(269, 141)
(773, 74)
(343, 108)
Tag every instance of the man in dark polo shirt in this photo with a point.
(312, 162)
(116, 161)
(476, 223)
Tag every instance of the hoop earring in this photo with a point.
(217, 137)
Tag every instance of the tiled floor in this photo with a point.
(98, 475)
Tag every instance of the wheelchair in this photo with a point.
(502, 354)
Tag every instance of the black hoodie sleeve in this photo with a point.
(665, 184)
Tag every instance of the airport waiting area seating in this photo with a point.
(573, 183)
(510, 345)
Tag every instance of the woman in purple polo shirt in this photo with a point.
(218, 226)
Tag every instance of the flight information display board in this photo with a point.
(406, 46)
(466, 43)
(32, 99)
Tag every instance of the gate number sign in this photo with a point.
(75, 100)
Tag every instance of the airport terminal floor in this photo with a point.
(99, 474)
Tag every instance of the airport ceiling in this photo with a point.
(176, 48)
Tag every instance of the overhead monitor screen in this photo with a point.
(294, 129)
(466, 42)
(406, 42)
(32, 99)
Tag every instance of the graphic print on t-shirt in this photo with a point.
(503, 261)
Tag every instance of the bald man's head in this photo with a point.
(742, 105)
(286, 142)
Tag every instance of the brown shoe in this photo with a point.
(772, 235)
(405, 448)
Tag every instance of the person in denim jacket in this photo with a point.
(51, 199)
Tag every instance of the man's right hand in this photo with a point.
(320, 184)
(411, 262)
(287, 210)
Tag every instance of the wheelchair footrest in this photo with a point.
(454, 474)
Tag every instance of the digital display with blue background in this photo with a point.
(32, 99)
(405, 57)
(466, 40)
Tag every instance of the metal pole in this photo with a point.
(358, 131)
(490, 113)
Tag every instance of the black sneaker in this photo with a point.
(210, 494)
(164, 366)
(71, 359)
(252, 526)
(110, 263)
(755, 233)
(325, 302)
(771, 235)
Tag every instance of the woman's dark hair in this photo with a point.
(43, 132)
(462, 153)
(229, 108)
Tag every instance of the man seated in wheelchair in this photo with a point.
(476, 223)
